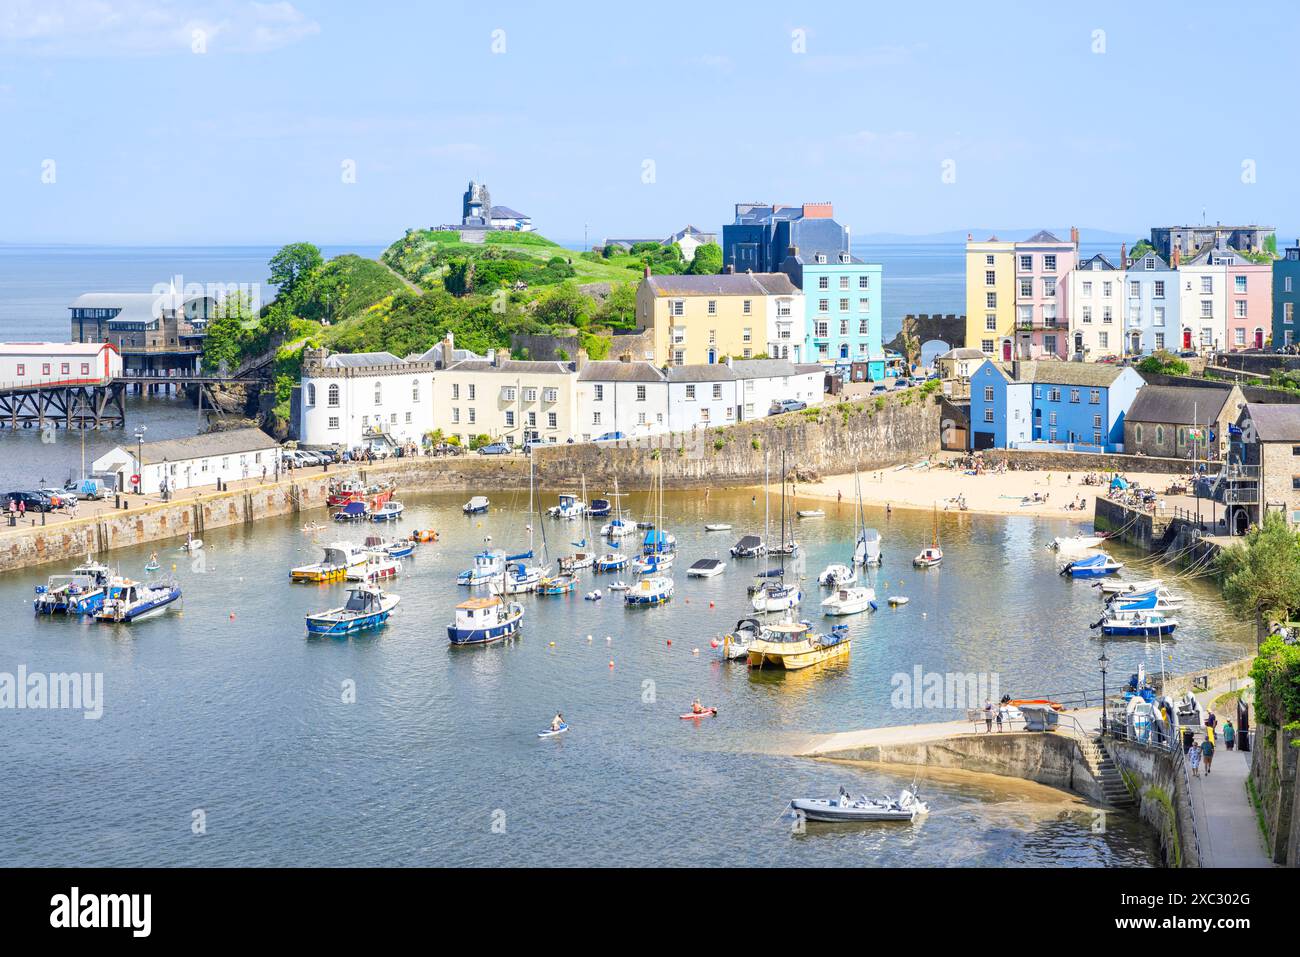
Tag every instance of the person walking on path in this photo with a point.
(1211, 720)
(988, 716)
(1228, 734)
(1194, 759)
(1207, 754)
(1000, 710)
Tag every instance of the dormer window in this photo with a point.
(1149, 263)
(844, 257)
(821, 257)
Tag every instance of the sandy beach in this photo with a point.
(990, 494)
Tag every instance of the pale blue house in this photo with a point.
(842, 309)
(1047, 404)
(1151, 312)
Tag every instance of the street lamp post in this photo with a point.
(139, 458)
(1103, 661)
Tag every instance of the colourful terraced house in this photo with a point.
(842, 309)
(1286, 296)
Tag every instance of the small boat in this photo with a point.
(1121, 586)
(403, 548)
(811, 513)
(367, 607)
(152, 565)
(192, 544)
(706, 568)
(390, 511)
(1137, 624)
(593, 596)
(489, 565)
(618, 528)
(1093, 566)
(570, 507)
(619, 586)
(867, 549)
(80, 593)
(775, 594)
(352, 512)
(558, 585)
(354, 490)
(655, 590)
(897, 600)
(1157, 599)
(553, 732)
(837, 576)
(1076, 543)
(645, 526)
(519, 579)
(482, 621)
(128, 601)
(703, 713)
(932, 556)
(377, 568)
(849, 601)
(793, 645)
(577, 562)
(424, 535)
(717, 527)
(611, 562)
(599, 507)
(649, 564)
(785, 548)
(749, 546)
(735, 644)
(845, 809)
(339, 559)
(476, 505)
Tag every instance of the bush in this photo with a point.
(1276, 673)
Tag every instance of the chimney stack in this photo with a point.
(646, 271)
(1074, 236)
(969, 237)
(1123, 255)
(1176, 258)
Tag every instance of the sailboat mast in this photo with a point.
(783, 511)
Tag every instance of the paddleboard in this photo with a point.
(548, 733)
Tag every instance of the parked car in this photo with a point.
(61, 498)
(448, 448)
(32, 501)
(89, 488)
(610, 437)
(787, 405)
(496, 448)
(902, 382)
(879, 389)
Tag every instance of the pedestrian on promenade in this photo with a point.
(1207, 754)
(22, 509)
(988, 716)
(1194, 759)
(1211, 720)
(1228, 734)
(13, 512)
(1000, 711)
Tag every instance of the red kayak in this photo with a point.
(706, 713)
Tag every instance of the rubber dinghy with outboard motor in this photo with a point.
(846, 809)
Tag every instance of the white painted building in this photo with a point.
(58, 363)
(621, 397)
(364, 399)
(191, 462)
(767, 381)
(1096, 301)
(508, 400)
(1203, 299)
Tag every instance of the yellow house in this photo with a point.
(509, 400)
(698, 320)
(991, 297)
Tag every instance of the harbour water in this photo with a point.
(225, 713)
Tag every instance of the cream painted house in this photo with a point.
(509, 400)
(991, 297)
(699, 320)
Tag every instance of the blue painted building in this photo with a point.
(1286, 297)
(1076, 404)
(761, 236)
(842, 309)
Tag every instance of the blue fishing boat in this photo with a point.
(80, 593)
(1093, 566)
(390, 511)
(482, 621)
(1137, 624)
(558, 585)
(611, 562)
(352, 512)
(599, 507)
(488, 566)
(129, 601)
(367, 607)
(649, 591)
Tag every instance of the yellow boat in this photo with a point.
(339, 558)
(793, 645)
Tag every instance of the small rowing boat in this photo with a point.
(717, 527)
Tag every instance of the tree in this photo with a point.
(1261, 577)
(292, 264)
(459, 280)
(563, 305)
(707, 261)
(1163, 362)
(619, 307)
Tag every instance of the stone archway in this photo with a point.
(931, 350)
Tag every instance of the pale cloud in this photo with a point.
(97, 28)
(716, 62)
(869, 59)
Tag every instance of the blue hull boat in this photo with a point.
(368, 607)
(482, 621)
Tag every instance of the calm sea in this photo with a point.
(399, 749)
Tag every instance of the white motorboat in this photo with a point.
(1122, 586)
(612, 562)
(775, 594)
(129, 601)
(897, 600)
(837, 576)
(520, 579)
(1157, 599)
(749, 546)
(929, 557)
(377, 568)
(707, 568)
(570, 507)
(476, 505)
(849, 601)
(488, 566)
(735, 644)
(619, 585)
(1076, 543)
(618, 528)
(717, 527)
(846, 809)
(810, 513)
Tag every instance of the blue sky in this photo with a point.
(1042, 119)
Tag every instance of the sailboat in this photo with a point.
(788, 546)
(654, 589)
(866, 541)
(774, 593)
(584, 557)
(933, 555)
(519, 577)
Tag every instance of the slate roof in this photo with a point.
(1178, 405)
(1043, 236)
(1089, 374)
(505, 212)
(1275, 423)
(359, 360)
(1086, 265)
(614, 371)
(725, 284)
(512, 366)
(764, 368)
(701, 373)
(233, 442)
(961, 352)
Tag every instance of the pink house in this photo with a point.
(1250, 303)
(1043, 265)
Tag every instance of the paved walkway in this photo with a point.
(1226, 823)
(1089, 718)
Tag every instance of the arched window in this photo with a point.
(311, 393)
(1137, 433)
(334, 394)
(415, 390)
(1160, 435)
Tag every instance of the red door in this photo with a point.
(1259, 338)
(1006, 350)
(1187, 338)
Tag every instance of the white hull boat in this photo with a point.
(837, 576)
(717, 527)
(735, 644)
(845, 809)
(1076, 543)
(1120, 586)
(867, 549)
(707, 568)
(849, 601)
(776, 595)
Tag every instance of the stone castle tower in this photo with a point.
(476, 209)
